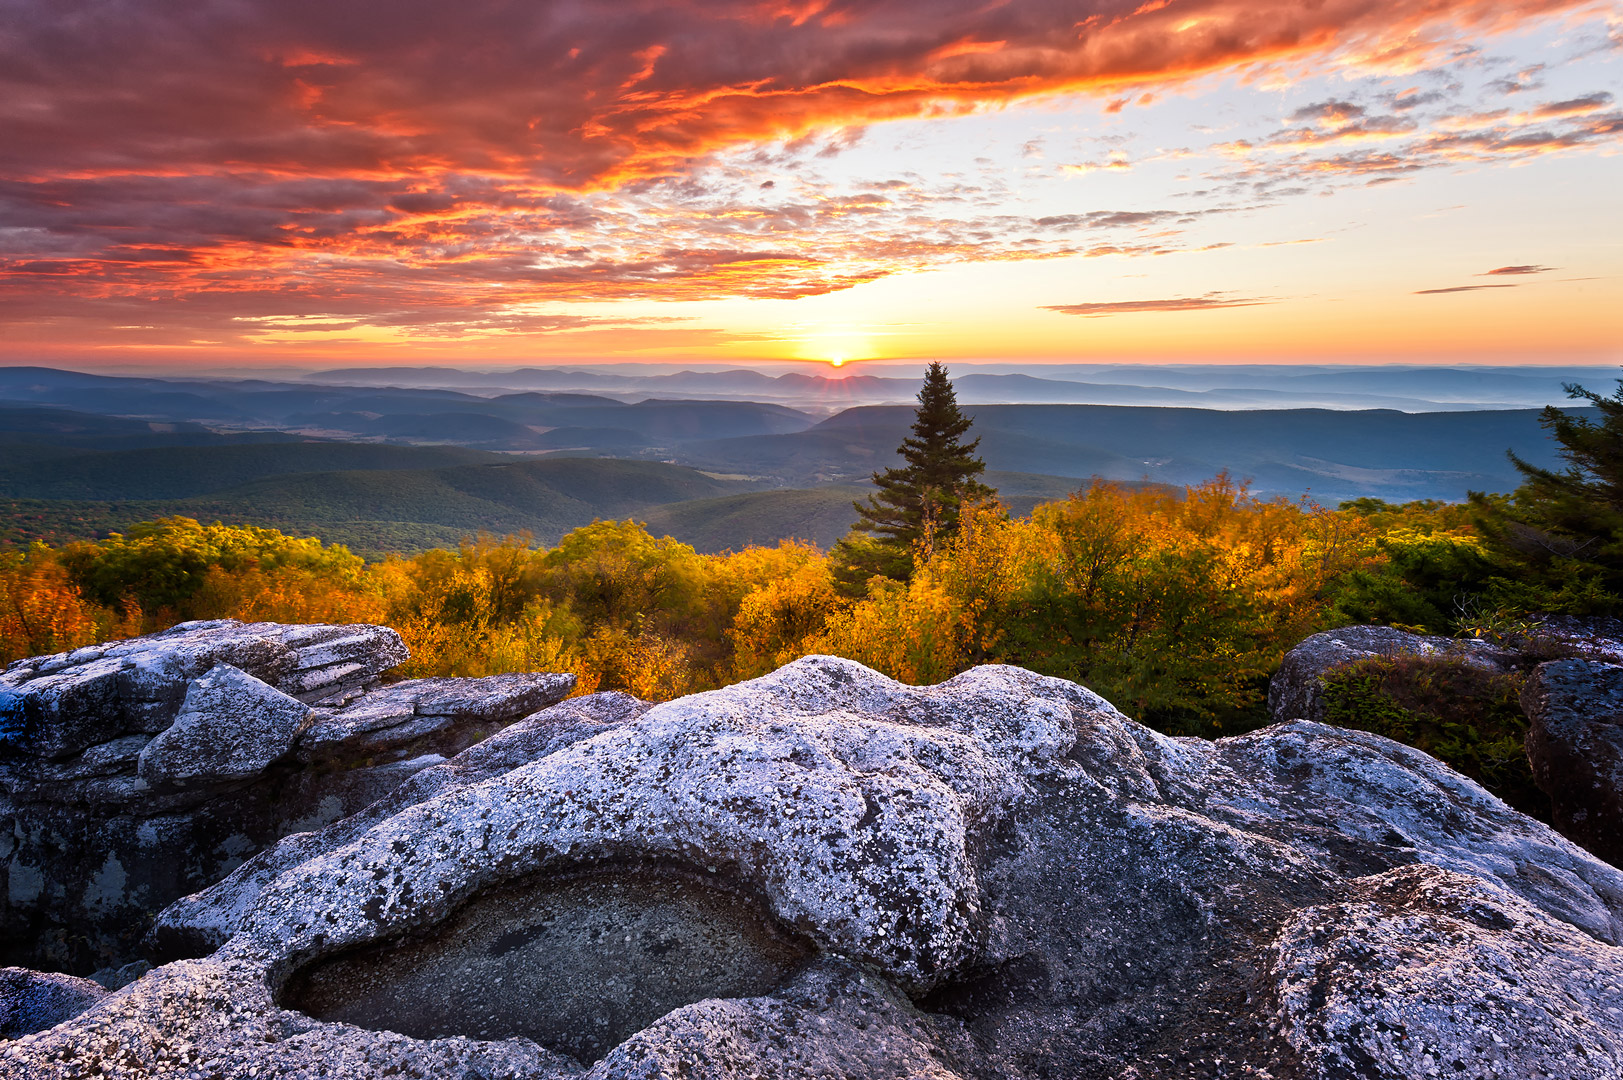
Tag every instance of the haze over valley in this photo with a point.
(401, 459)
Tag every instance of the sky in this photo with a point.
(260, 182)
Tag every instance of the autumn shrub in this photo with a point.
(1175, 605)
(163, 566)
(42, 610)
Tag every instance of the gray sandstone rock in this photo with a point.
(1575, 745)
(53, 707)
(824, 873)
(1293, 692)
(231, 726)
(33, 1001)
(140, 771)
(1419, 971)
(198, 924)
(415, 711)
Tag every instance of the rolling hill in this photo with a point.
(178, 472)
(380, 510)
(1328, 454)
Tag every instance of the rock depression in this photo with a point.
(824, 873)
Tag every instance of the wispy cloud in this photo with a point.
(1209, 302)
(1575, 106)
(1459, 288)
(1507, 271)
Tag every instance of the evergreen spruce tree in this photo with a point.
(917, 506)
(1561, 534)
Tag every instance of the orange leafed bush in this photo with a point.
(1175, 605)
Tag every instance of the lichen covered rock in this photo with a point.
(1294, 692)
(825, 873)
(231, 726)
(137, 772)
(33, 1001)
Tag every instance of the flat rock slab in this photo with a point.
(1000, 876)
(416, 710)
(56, 706)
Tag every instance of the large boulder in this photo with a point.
(824, 873)
(231, 726)
(33, 1001)
(140, 771)
(1295, 691)
(57, 707)
(1575, 745)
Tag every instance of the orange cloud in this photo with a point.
(580, 96)
(421, 164)
(1460, 288)
(1208, 302)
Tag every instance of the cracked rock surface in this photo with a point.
(824, 873)
(137, 772)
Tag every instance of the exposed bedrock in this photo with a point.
(1294, 692)
(1575, 745)
(33, 1001)
(1570, 673)
(824, 873)
(137, 772)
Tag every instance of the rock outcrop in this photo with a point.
(825, 873)
(137, 772)
(33, 1001)
(1295, 689)
(1569, 673)
(1575, 744)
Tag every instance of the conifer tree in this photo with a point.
(1561, 533)
(917, 506)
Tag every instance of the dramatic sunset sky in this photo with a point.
(324, 182)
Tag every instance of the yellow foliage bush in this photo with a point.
(1175, 605)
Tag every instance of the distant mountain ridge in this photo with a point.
(399, 468)
(1208, 386)
(1329, 454)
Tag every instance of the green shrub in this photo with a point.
(1466, 716)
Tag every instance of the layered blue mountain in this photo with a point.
(394, 467)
